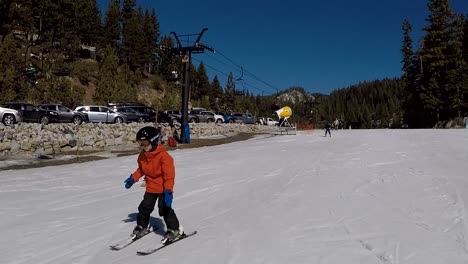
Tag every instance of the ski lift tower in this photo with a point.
(186, 54)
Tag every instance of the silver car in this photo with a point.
(101, 114)
(10, 116)
(65, 114)
(244, 118)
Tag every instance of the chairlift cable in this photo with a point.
(242, 71)
(252, 75)
(227, 75)
(217, 60)
(213, 68)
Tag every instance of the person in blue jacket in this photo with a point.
(328, 129)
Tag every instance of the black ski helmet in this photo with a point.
(150, 133)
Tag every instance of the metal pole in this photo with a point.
(187, 52)
(185, 95)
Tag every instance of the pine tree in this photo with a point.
(465, 39)
(11, 81)
(411, 102)
(464, 94)
(456, 74)
(128, 10)
(88, 21)
(57, 25)
(126, 81)
(201, 83)
(216, 94)
(45, 27)
(229, 96)
(132, 34)
(169, 62)
(5, 17)
(112, 25)
(112, 84)
(156, 32)
(435, 90)
(139, 52)
(362, 103)
(152, 34)
(149, 45)
(35, 24)
(408, 57)
(192, 82)
(60, 90)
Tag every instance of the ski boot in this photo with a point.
(138, 232)
(172, 235)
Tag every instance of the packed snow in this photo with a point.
(361, 196)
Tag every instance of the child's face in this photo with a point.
(145, 144)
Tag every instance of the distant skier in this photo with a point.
(327, 129)
(158, 168)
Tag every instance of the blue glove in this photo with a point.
(168, 198)
(129, 182)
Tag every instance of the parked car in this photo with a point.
(217, 118)
(163, 117)
(132, 115)
(10, 116)
(114, 104)
(31, 113)
(65, 114)
(267, 121)
(272, 122)
(229, 118)
(149, 111)
(203, 116)
(198, 109)
(176, 115)
(244, 118)
(221, 117)
(101, 114)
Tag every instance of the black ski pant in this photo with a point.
(147, 206)
(327, 131)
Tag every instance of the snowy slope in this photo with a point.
(362, 196)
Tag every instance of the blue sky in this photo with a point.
(318, 45)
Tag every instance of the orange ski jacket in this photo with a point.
(158, 168)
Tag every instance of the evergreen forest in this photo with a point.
(71, 52)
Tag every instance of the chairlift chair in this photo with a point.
(239, 92)
(173, 76)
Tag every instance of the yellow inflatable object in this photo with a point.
(284, 112)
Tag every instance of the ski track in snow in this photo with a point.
(362, 196)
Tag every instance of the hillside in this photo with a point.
(295, 95)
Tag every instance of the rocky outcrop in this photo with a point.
(37, 139)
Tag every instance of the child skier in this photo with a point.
(158, 168)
